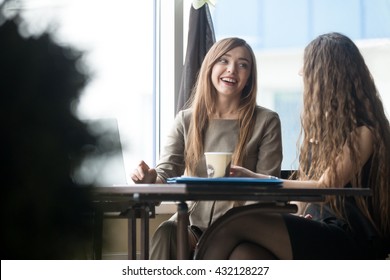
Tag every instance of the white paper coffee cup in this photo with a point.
(218, 164)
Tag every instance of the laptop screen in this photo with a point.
(105, 165)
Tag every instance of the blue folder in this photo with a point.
(237, 181)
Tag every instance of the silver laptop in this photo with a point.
(105, 166)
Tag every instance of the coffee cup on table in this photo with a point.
(218, 164)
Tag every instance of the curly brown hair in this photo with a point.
(339, 96)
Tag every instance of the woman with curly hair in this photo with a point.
(222, 117)
(345, 142)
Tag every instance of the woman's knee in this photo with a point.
(166, 229)
(250, 251)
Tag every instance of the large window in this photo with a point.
(119, 51)
(278, 30)
(136, 60)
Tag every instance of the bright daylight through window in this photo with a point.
(134, 64)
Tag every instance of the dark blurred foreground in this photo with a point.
(43, 214)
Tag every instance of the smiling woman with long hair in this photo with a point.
(222, 117)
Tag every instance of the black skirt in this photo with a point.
(326, 237)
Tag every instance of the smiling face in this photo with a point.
(231, 72)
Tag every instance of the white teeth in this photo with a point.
(229, 80)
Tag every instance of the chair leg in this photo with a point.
(182, 231)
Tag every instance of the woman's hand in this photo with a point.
(144, 174)
(307, 216)
(239, 171)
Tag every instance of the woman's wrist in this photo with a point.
(159, 180)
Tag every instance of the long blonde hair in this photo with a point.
(203, 103)
(339, 96)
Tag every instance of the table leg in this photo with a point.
(182, 231)
(97, 235)
(145, 233)
(132, 235)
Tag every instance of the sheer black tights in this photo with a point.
(251, 251)
(247, 234)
